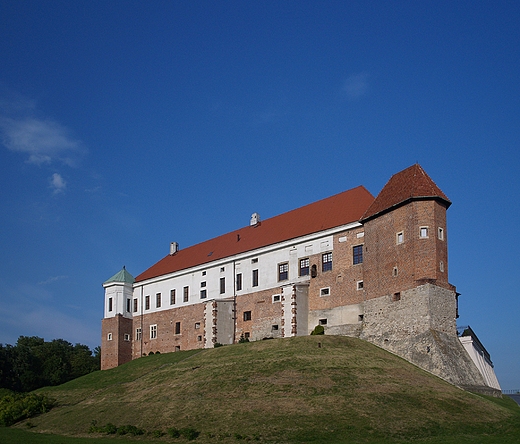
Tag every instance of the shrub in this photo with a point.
(157, 433)
(174, 432)
(318, 330)
(189, 433)
(16, 407)
(243, 339)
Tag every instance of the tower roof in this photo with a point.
(121, 276)
(334, 211)
(410, 184)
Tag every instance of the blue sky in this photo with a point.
(126, 125)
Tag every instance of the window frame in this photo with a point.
(222, 285)
(239, 281)
(186, 293)
(247, 315)
(172, 296)
(283, 271)
(357, 254)
(326, 261)
(158, 300)
(255, 278)
(304, 265)
(153, 331)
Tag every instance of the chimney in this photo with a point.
(174, 247)
(255, 220)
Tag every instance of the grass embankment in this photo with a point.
(321, 389)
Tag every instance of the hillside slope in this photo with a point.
(305, 389)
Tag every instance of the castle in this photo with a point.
(373, 268)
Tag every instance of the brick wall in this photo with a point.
(117, 350)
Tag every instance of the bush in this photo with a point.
(189, 433)
(157, 433)
(217, 344)
(174, 432)
(16, 407)
(318, 330)
(243, 339)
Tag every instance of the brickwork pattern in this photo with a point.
(117, 350)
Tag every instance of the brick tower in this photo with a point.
(410, 306)
(116, 326)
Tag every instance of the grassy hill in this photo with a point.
(321, 389)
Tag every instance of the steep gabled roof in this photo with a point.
(121, 276)
(334, 211)
(410, 184)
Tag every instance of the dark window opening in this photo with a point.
(304, 267)
(357, 254)
(247, 315)
(326, 264)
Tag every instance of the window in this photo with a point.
(441, 266)
(423, 232)
(254, 261)
(277, 298)
(138, 334)
(247, 335)
(304, 267)
(239, 281)
(172, 297)
(153, 331)
(222, 285)
(357, 254)
(110, 307)
(322, 322)
(395, 272)
(186, 293)
(359, 285)
(255, 278)
(283, 272)
(147, 303)
(326, 262)
(325, 291)
(135, 305)
(247, 315)
(199, 338)
(399, 237)
(222, 269)
(177, 328)
(128, 304)
(396, 297)
(203, 273)
(158, 300)
(314, 271)
(203, 284)
(126, 337)
(197, 325)
(203, 294)
(177, 348)
(109, 337)
(274, 327)
(440, 233)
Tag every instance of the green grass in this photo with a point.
(284, 391)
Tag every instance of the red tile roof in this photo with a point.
(334, 211)
(410, 184)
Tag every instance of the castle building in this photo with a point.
(373, 268)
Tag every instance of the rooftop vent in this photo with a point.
(255, 219)
(174, 247)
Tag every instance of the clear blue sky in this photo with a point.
(126, 125)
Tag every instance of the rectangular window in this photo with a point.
(322, 322)
(126, 337)
(325, 291)
(423, 232)
(138, 334)
(128, 304)
(274, 327)
(110, 304)
(239, 281)
(304, 267)
(326, 262)
(135, 305)
(158, 300)
(186, 293)
(247, 315)
(172, 297)
(222, 285)
(153, 331)
(283, 272)
(177, 328)
(109, 337)
(440, 233)
(147, 303)
(255, 278)
(399, 237)
(357, 254)
(277, 298)
(197, 325)
(203, 284)
(359, 285)
(203, 294)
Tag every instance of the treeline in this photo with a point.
(33, 363)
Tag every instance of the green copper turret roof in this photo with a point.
(121, 276)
